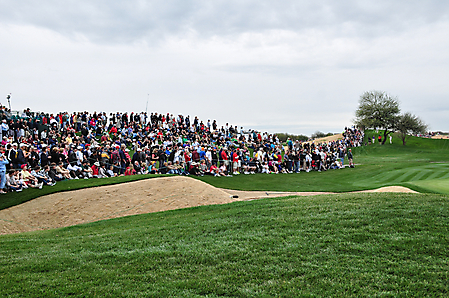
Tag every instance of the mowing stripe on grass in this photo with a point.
(436, 175)
(398, 174)
(388, 176)
(421, 174)
(426, 175)
(438, 165)
(406, 176)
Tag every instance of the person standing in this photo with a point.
(4, 128)
(3, 163)
(350, 158)
(341, 155)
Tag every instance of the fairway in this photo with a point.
(436, 185)
(409, 174)
(334, 245)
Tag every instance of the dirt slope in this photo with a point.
(93, 204)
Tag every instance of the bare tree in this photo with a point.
(410, 124)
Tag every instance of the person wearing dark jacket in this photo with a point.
(20, 157)
(54, 155)
(350, 158)
(44, 156)
(136, 156)
(33, 158)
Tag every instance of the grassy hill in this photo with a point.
(378, 165)
(346, 245)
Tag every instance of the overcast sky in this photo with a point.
(278, 66)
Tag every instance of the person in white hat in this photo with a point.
(79, 155)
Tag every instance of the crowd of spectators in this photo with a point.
(40, 149)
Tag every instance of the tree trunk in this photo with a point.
(386, 133)
(403, 138)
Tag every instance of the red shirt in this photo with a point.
(94, 170)
(186, 157)
(128, 172)
(223, 155)
(235, 157)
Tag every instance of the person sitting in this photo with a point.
(95, 169)
(152, 168)
(214, 170)
(29, 179)
(53, 174)
(252, 166)
(195, 170)
(86, 171)
(45, 172)
(180, 168)
(143, 168)
(12, 182)
(36, 172)
(137, 167)
(130, 170)
(75, 170)
(204, 169)
(223, 171)
(171, 169)
(102, 171)
(110, 172)
(265, 168)
(63, 171)
(272, 165)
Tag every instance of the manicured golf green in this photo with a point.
(345, 245)
(435, 185)
(342, 245)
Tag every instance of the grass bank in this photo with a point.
(378, 166)
(346, 245)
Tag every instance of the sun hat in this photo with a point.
(97, 163)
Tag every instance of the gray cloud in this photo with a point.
(276, 62)
(128, 21)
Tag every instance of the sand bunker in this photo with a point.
(328, 139)
(145, 196)
(439, 137)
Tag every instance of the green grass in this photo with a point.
(378, 166)
(345, 245)
(435, 185)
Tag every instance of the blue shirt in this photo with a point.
(3, 164)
